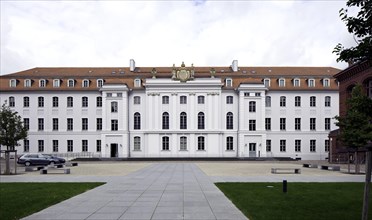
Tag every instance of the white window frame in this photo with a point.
(27, 83)
(71, 83)
(99, 83)
(137, 82)
(281, 82)
(311, 83)
(326, 82)
(229, 82)
(56, 83)
(13, 83)
(267, 82)
(42, 83)
(85, 83)
(296, 82)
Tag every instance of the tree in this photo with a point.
(11, 131)
(360, 27)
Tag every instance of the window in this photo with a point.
(27, 83)
(13, 83)
(137, 121)
(42, 83)
(70, 145)
(267, 83)
(326, 145)
(201, 120)
(70, 124)
(183, 143)
(183, 99)
(229, 120)
(281, 82)
(98, 145)
(257, 94)
(85, 83)
(55, 102)
(200, 99)
(26, 101)
(137, 83)
(201, 143)
(296, 82)
(114, 125)
(119, 94)
(268, 145)
(84, 145)
(268, 101)
(109, 94)
(267, 124)
(312, 124)
(312, 101)
(183, 120)
(11, 101)
(327, 124)
(252, 106)
(297, 124)
(56, 82)
(84, 102)
(247, 94)
(26, 145)
(137, 143)
(229, 82)
(165, 120)
(229, 99)
(40, 102)
(282, 101)
(99, 83)
(229, 143)
(55, 145)
(252, 125)
(114, 106)
(26, 123)
(40, 124)
(99, 101)
(298, 145)
(99, 124)
(327, 101)
(84, 124)
(297, 101)
(165, 143)
(326, 82)
(282, 124)
(312, 145)
(40, 145)
(71, 83)
(55, 124)
(136, 100)
(283, 146)
(165, 99)
(70, 102)
(311, 83)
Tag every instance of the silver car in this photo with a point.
(39, 159)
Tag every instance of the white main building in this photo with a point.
(186, 111)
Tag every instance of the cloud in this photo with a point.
(109, 33)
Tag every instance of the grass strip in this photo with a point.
(328, 201)
(18, 200)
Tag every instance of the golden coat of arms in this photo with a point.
(183, 74)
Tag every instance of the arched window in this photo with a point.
(229, 120)
(327, 101)
(312, 101)
(183, 120)
(99, 101)
(201, 120)
(55, 101)
(165, 120)
(281, 82)
(137, 121)
(252, 106)
(11, 101)
(40, 102)
(26, 101)
(229, 143)
(268, 101)
(282, 101)
(267, 82)
(298, 101)
(84, 101)
(165, 144)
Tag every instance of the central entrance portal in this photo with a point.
(114, 150)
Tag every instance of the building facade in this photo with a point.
(185, 111)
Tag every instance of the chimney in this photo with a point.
(234, 65)
(132, 65)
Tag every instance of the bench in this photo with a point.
(310, 165)
(331, 168)
(30, 169)
(55, 171)
(286, 170)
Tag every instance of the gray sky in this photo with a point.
(160, 33)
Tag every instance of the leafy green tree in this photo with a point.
(11, 131)
(361, 27)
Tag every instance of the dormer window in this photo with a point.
(85, 83)
(326, 82)
(71, 83)
(281, 82)
(137, 83)
(99, 83)
(27, 83)
(229, 82)
(13, 83)
(311, 82)
(56, 82)
(296, 82)
(267, 82)
(42, 83)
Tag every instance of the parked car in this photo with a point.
(40, 159)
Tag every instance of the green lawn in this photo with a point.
(311, 201)
(18, 200)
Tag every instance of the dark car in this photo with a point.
(39, 159)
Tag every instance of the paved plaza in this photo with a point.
(164, 190)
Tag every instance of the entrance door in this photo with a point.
(252, 149)
(114, 150)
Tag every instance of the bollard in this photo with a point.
(285, 186)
